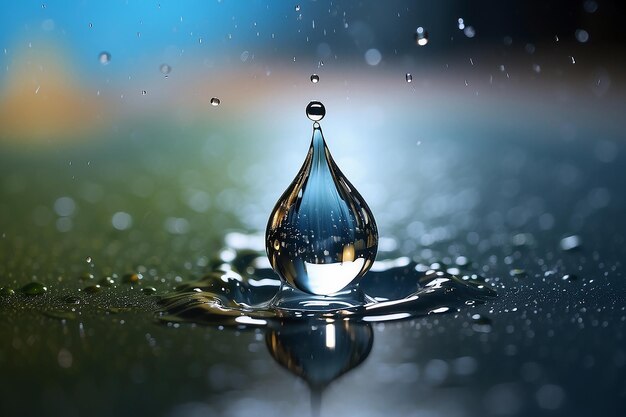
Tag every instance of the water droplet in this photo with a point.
(215, 102)
(132, 278)
(569, 277)
(107, 282)
(86, 276)
(408, 77)
(148, 290)
(315, 78)
(144, 92)
(90, 25)
(297, 7)
(93, 289)
(421, 36)
(88, 259)
(165, 69)
(70, 299)
(537, 68)
(104, 58)
(315, 111)
(460, 23)
(34, 288)
(5, 292)
(326, 233)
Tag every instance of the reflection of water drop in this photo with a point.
(409, 77)
(421, 36)
(104, 58)
(315, 78)
(321, 235)
(315, 111)
(215, 102)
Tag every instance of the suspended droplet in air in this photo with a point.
(409, 77)
(215, 102)
(315, 78)
(421, 36)
(321, 236)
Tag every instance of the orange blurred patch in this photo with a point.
(42, 102)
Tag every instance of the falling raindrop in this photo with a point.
(460, 23)
(321, 235)
(408, 77)
(315, 111)
(297, 7)
(315, 78)
(215, 102)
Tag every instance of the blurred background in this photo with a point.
(134, 135)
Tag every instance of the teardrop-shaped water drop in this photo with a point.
(321, 235)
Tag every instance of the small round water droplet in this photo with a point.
(408, 77)
(460, 23)
(34, 288)
(107, 282)
(215, 102)
(421, 36)
(93, 289)
(144, 92)
(104, 58)
(315, 111)
(90, 25)
(149, 290)
(297, 7)
(315, 78)
(86, 276)
(569, 277)
(165, 69)
(88, 259)
(5, 292)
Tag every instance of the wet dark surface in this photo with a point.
(551, 343)
(143, 146)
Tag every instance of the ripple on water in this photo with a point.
(256, 297)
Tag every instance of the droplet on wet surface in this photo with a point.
(5, 292)
(321, 234)
(34, 288)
